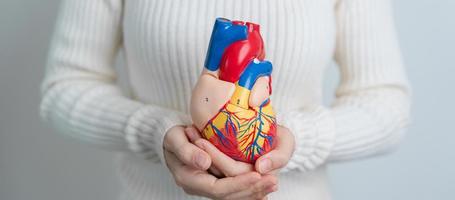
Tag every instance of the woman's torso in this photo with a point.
(165, 42)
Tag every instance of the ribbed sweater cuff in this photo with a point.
(314, 132)
(147, 127)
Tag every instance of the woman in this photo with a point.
(164, 43)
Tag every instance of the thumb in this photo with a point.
(273, 160)
(192, 133)
(279, 157)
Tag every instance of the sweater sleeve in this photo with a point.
(371, 109)
(79, 93)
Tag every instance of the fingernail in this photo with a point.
(265, 165)
(272, 188)
(201, 161)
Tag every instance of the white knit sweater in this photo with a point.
(165, 42)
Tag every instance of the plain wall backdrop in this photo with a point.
(38, 163)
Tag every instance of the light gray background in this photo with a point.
(37, 163)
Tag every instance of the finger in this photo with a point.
(216, 172)
(278, 157)
(202, 183)
(172, 161)
(177, 143)
(192, 133)
(193, 156)
(185, 176)
(267, 185)
(260, 190)
(222, 162)
(253, 193)
(230, 185)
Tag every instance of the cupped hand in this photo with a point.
(276, 159)
(269, 163)
(178, 144)
(188, 164)
(222, 165)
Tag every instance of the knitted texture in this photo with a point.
(164, 43)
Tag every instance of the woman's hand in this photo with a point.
(269, 163)
(177, 143)
(222, 165)
(276, 159)
(188, 165)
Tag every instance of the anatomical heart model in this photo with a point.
(230, 104)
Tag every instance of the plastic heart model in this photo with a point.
(230, 103)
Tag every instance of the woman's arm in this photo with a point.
(79, 94)
(371, 109)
